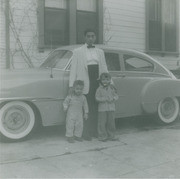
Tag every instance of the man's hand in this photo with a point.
(85, 116)
(70, 92)
(65, 108)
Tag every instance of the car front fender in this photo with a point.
(157, 90)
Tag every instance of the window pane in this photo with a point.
(169, 14)
(162, 25)
(170, 42)
(55, 27)
(85, 20)
(56, 3)
(86, 5)
(155, 35)
(112, 61)
(155, 10)
(133, 63)
(155, 28)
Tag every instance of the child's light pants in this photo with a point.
(106, 125)
(74, 124)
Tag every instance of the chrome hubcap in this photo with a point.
(16, 119)
(167, 108)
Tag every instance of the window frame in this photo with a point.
(163, 51)
(90, 13)
(72, 34)
(93, 13)
(66, 25)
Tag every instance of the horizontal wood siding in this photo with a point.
(24, 22)
(124, 23)
(124, 26)
(2, 35)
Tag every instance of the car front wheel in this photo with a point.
(168, 110)
(17, 119)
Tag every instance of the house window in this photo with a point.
(55, 23)
(86, 17)
(162, 26)
(62, 22)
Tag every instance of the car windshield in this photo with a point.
(57, 59)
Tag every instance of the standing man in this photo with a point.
(88, 62)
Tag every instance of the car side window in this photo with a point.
(133, 63)
(112, 61)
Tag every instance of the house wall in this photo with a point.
(23, 34)
(124, 26)
(124, 23)
(2, 36)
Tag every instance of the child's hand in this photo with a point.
(113, 87)
(85, 116)
(65, 108)
(110, 99)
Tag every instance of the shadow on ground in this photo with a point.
(123, 126)
(142, 123)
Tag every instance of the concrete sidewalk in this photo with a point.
(138, 154)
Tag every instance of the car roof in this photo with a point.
(107, 47)
(102, 46)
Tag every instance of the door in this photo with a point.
(138, 71)
(51, 108)
(114, 68)
(130, 73)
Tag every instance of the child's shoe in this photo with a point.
(88, 138)
(102, 140)
(78, 138)
(114, 139)
(70, 139)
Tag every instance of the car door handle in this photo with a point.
(121, 75)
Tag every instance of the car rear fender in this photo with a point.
(157, 90)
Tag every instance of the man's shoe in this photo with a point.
(87, 138)
(70, 139)
(78, 139)
(113, 139)
(103, 140)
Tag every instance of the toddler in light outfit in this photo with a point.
(77, 108)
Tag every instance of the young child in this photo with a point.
(106, 96)
(77, 108)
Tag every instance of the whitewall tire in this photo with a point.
(168, 110)
(17, 119)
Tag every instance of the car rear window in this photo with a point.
(133, 63)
